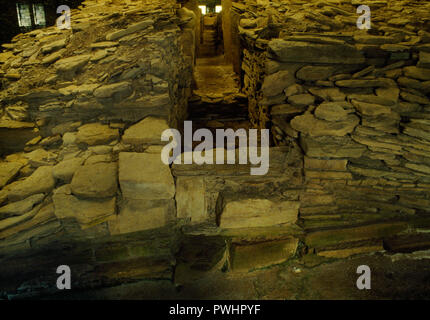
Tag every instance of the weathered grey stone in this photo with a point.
(144, 176)
(146, 132)
(293, 90)
(276, 83)
(252, 213)
(414, 98)
(372, 39)
(96, 133)
(95, 180)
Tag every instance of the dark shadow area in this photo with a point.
(26, 15)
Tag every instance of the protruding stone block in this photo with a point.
(144, 176)
(250, 213)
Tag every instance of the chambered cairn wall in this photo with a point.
(83, 109)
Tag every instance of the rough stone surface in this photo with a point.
(258, 213)
(8, 170)
(65, 170)
(41, 181)
(86, 212)
(95, 134)
(145, 177)
(146, 132)
(190, 198)
(95, 180)
(139, 215)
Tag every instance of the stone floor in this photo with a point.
(217, 102)
(214, 77)
(399, 276)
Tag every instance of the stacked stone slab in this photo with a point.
(106, 68)
(357, 103)
(80, 126)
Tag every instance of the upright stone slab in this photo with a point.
(251, 213)
(144, 176)
(139, 215)
(190, 198)
(95, 180)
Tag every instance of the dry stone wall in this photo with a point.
(82, 112)
(356, 103)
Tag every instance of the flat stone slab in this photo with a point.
(260, 255)
(145, 176)
(146, 132)
(41, 181)
(309, 124)
(331, 111)
(95, 180)
(69, 66)
(86, 211)
(96, 134)
(251, 213)
(276, 83)
(139, 215)
(107, 91)
(40, 157)
(297, 51)
(8, 170)
(20, 207)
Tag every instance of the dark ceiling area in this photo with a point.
(31, 9)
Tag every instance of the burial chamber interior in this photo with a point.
(82, 182)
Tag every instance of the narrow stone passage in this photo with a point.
(217, 101)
